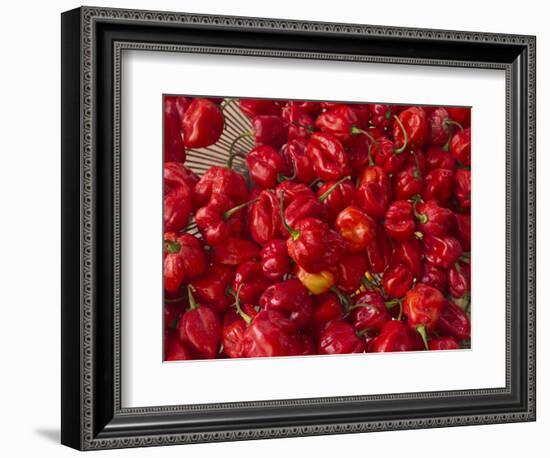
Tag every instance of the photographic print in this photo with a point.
(297, 228)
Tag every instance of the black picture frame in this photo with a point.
(92, 40)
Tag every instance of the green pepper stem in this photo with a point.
(172, 246)
(421, 329)
(247, 318)
(405, 136)
(293, 233)
(281, 177)
(417, 173)
(356, 306)
(391, 304)
(357, 131)
(309, 129)
(314, 182)
(344, 300)
(451, 122)
(324, 196)
(192, 302)
(233, 154)
(229, 213)
(422, 217)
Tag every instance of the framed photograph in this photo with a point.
(276, 228)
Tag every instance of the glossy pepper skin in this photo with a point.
(303, 207)
(351, 270)
(250, 282)
(422, 307)
(174, 349)
(202, 124)
(461, 146)
(379, 251)
(220, 180)
(433, 219)
(292, 190)
(338, 121)
(177, 208)
(290, 298)
(235, 251)
(270, 130)
(438, 185)
(255, 107)
(219, 220)
(174, 149)
(434, 276)
(265, 218)
(459, 279)
(200, 330)
(461, 229)
(338, 338)
(211, 288)
(184, 259)
(327, 307)
(397, 280)
(416, 126)
(336, 196)
(394, 336)
(382, 116)
(408, 183)
(356, 227)
(453, 322)
(408, 252)
(374, 191)
(387, 155)
(440, 127)
(297, 161)
(369, 312)
(438, 158)
(275, 260)
(233, 330)
(316, 283)
(462, 188)
(176, 175)
(300, 122)
(460, 115)
(399, 221)
(329, 158)
(443, 343)
(441, 251)
(265, 166)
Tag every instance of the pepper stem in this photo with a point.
(233, 154)
(356, 131)
(247, 318)
(324, 196)
(421, 329)
(417, 173)
(229, 213)
(293, 233)
(281, 177)
(422, 217)
(405, 136)
(344, 300)
(451, 122)
(391, 304)
(309, 129)
(192, 302)
(172, 246)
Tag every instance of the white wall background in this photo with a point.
(30, 229)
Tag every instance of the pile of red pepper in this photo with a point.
(348, 232)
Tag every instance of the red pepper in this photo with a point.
(220, 219)
(462, 230)
(351, 271)
(338, 338)
(356, 227)
(220, 180)
(174, 349)
(388, 156)
(415, 132)
(434, 276)
(459, 279)
(438, 185)
(327, 307)
(275, 260)
(408, 182)
(369, 312)
(443, 343)
(176, 104)
(463, 188)
(250, 282)
(297, 160)
(176, 175)
(313, 108)
(292, 190)
(233, 329)
(432, 218)
(440, 127)
(200, 329)
(202, 124)
(453, 322)
(330, 161)
(460, 115)
(255, 107)
(437, 158)
(177, 208)
(174, 108)
(266, 166)
(408, 252)
(382, 116)
(303, 207)
(379, 251)
(318, 282)
(290, 298)
(441, 251)
(235, 251)
(362, 111)
(460, 146)
(300, 122)
(360, 149)
(399, 221)
(270, 130)
(395, 336)
(212, 287)
(184, 259)
(336, 195)
(338, 122)
(397, 280)
(265, 218)
(422, 307)
(374, 191)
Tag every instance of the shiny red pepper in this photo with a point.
(454, 322)
(250, 282)
(422, 307)
(460, 115)
(369, 312)
(275, 260)
(432, 218)
(459, 279)
(177, 208)
(395, 336)
(408, 183)
(399, 221)
(200, 329)
(397, 280)
(338, 122)
(440, 127)
(270, 130)
(235, 251)
(462, 188)
(461, 146)
(266, 166)
(388, 156)
(441, 251)
(327, 307)
(233, 329)
(300, 122)
(292, 190)
(303, 207)
(184, 258)
(338, 338)
(362, 110)
(220, 180)
(379, 251)
(443, 343)
(213, 286)
(437, 158)
(297, 160)
(174, 349)
(290, 298)
(329, 158)
(265, 218)
(313, 108)
(176, 174)
(438, 185)
(255, 107)
(374, 191)
(462, 230)
(174, 109)
(351, 270)
(382, 116)
(408, 252)
(202, 124)
(412, 130)
(434, 276)
(336, 195)
(356, 227)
